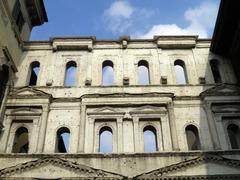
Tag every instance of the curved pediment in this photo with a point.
(149, 109)
(53, 168)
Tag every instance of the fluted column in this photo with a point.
(43, 129)
(82, 129)
(5, 134)
(173, 129)
(120, 134)
(212, 127)
(91, 132)
(166, 139)
(136, 134)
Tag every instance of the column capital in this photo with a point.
(91, 120)
(119, 119)
(135, 119)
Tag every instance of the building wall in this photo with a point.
(126, 108)
(144, 104)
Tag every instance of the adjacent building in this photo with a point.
(17, 18)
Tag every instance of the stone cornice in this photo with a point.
(152, 94)
(125, 155)
(90, 43)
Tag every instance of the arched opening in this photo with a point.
(215, 71)
(105, 140)
(107, 73)
(150, 139)
(70, 74)
(180, 72)
(62, 142)
(143, 73)
(4, 76)
(34, 69)
(192, 138)
(234, 136)
(21, 142)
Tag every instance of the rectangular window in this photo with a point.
(18, 16)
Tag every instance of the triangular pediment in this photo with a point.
(222, 90)
(106, 109)
(53, 168)
(201, 166)
(28, 91)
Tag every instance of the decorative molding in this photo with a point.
(152, 94)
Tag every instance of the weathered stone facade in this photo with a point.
(195, 123)
(125, 107)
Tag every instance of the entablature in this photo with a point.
(90, 43)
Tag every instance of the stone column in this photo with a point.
(3, 103)
(119, 135)
(34, 135)
(221, 133)
(43, 129)
(82, 128)
(137, 148)
(173, 129)
(166, 139)
(91, 132)
(5, 134)
(212, 126)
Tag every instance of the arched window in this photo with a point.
(70, 74)
(34, 70)
(143, 73)
(150, 139)
(62, 142)
(180, 71)
(215, 71)
(4, 75)
(107, 73)
(192, 138)
(105, 140)
(234, 136)
(21, 142)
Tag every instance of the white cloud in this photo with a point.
(122, 17)
(119, 9)
(118, 16)
(201, 19)
(164, 29)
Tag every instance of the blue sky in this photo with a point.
(109, 19)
